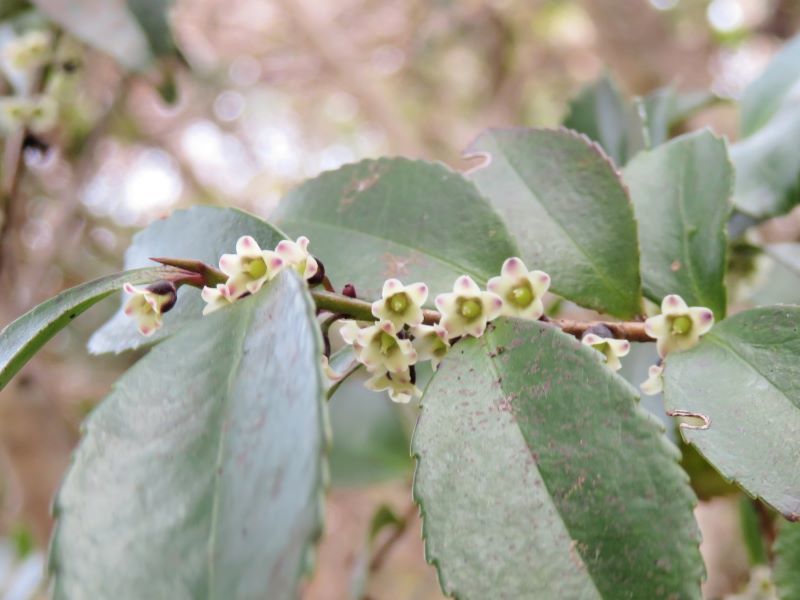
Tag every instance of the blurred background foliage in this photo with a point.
(164, 105)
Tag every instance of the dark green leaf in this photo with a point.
(203, 233)
(23, 338)
(787, 561)
(681, 194)
(153, 18)
(539, 476)
(397, 218)
(764, 97)
(741, 381)
(200, 475)
(569, 211)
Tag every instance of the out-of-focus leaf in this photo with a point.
(153, 17)
(204, 233)
(413, 220)
(535, 476)
(24, 337)
(741, 382)
(665, 108)
(763, 98)
(682, 214)
(569, 211)
(787, 561)
(200, 475)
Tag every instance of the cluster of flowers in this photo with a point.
(399, 338)
(26, 55)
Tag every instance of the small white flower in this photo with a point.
(378, 348)
(431, 343)
(611, 348)
(398, 385)
(295, 255)
(40, 113)
(216, 298)
(521, 290)
(249, 268)
(29, 51)
(467, 309)
(655, 381)
(14, 112)
(147, 304)
(401, 304)
(678, 327)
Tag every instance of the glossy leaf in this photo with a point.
(763, 98)
(25, 336)
(200, 475)
(682, 214)
(569, 211)
(787, 561)
(203, 233)
(539, 476)
(384, 218)
(768, 167)
(741, 381)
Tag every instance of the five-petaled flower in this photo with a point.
(147, 304)
(249, 268)
(678, 327)
(399, 385)
(467, 309)
(431, 343)
(611, 348)
(378, 347)
(521, 290)
(401, 304)
(654, 383)
(216, 297)
(295, 255)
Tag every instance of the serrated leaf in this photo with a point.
(539, 476)
(25, 336)
(768, 167)
(200, 475)
(763, 98)
(741, 380)
(395, 217)
(566, 205)
(681, 194)
(203, 233)
(787, 561)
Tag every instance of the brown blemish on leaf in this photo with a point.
(675, 266)
(687, 413)
(397, 266)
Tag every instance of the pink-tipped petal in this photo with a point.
(590, 339)
(418, 292)
(513, 267)
(247, 246)
(673, 305)
(702, 318)
(465, 285)
(230, 264)
(390, 287)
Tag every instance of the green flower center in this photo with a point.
(388, 343)
(439, 348)
(398, 303)
(470, 308)
(681, 325)
(522, 295)
(256, 268)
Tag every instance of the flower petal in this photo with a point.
(656, 327)
(673, 305)
(417, 292)
(702, 318)
(391, 287)
(465, 285)
(248, 247)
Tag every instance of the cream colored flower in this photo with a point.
(250, 268)
(467, 310)
(295, 255)
(147, 304)
(29, 51)
(655, 381)
(431, 343)
(521, 290)
(216, 298)
(42, 114)
(678, 327)
(378, 348)
(399, 385)
(401, 304)
(611, 348)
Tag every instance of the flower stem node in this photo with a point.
(250, 268)
(378, 347)
(678, 327)
(611, 348)
(467, 310)
(655, 381)
(216, 297)
(147, 304)
(295, 255)
(431, 343)
(401, 304)
(521, 290)
(399, 385)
